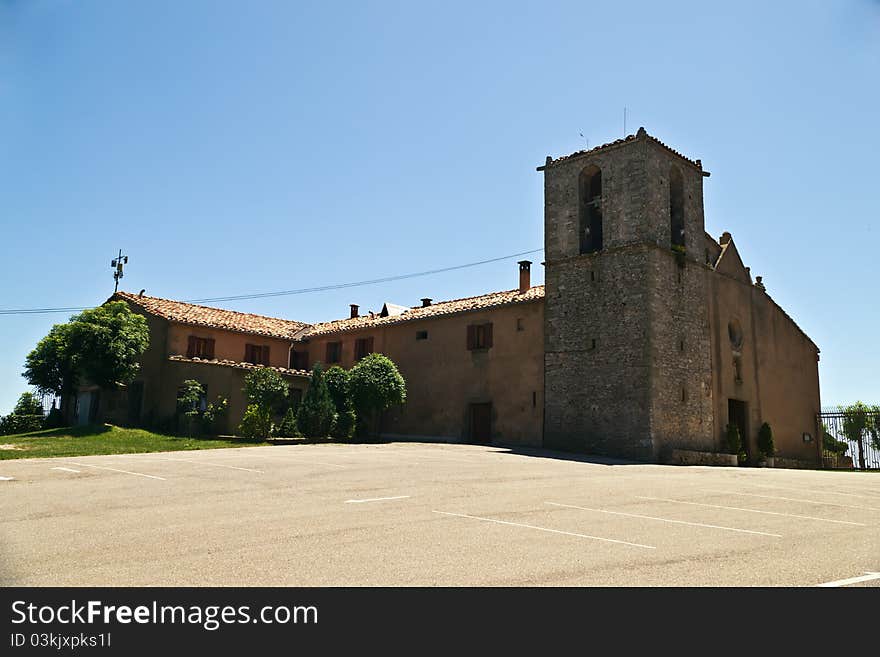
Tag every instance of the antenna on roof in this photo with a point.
(624, 120)
(585, 139)
(117, 264)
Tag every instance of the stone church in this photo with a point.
(648, 337)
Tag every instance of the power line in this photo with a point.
(281, 293)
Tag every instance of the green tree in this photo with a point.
(861, 421)
(214, 417)
(288, 428)
(101, 345)
(28, 404)
(339, 386)
(266, 388)
(189, 396)
(376, 385)
(317, 413)
(256, 423)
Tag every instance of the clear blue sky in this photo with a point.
(234, 147)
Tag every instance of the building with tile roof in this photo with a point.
(648, 338)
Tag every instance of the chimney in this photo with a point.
(525, 275)
(354, 310)
(426, 302)
(724, 239)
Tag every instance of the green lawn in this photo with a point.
(103, 439)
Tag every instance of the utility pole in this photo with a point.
(117, 264)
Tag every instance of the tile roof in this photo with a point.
(238, 365)
(640, 134)
(439, 309)
(230, 320)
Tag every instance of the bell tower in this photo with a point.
(627, 368)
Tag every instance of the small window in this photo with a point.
(295, 397)
(256, 354)
(362, 347)
(421, 335)
(592, 344)
(200, 347)
(334, 352)
(520, 325)
(299, 360)
(683, 394)
(681, 345)
(479, 336)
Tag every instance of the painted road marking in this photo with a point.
(808, 490)
(7, 478)
(545, 529)
(677, 522)
(377, 499)
(67, 470)
(867, 577)
(792, 499)
(101, 467)
(278, 457)
(216, 465)
(737, 508)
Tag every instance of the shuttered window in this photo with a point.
(362, 347)
(299, 360)
(257, 354)
(200, 347)
(479, 336)
(334, 352)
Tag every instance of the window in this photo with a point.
(590, 209)
(200, 347)
(676, 207)
(299, 360)
(479, 336)
(421, 335)
(334, 352)
(362, 347)
(258, 354)
(520, 326)
(295, 396)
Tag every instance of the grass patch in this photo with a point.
(104, 439)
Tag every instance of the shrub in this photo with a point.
(288, 428)
(376, 385)
(344, 426)
(214, 417)
(734, 441)
(256, 423)
(189, 397)
(765, 440)
(28, 404)
(317, 412)
(13, 423)
(54, 420)
(267, 388)
(832, 444)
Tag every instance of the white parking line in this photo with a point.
(545, 529)
(792, 499)
(67, 470)
(867, 577)
(677, 522)
(101, 467)
(736, 508)
(808, 490)
(377, 499)
(279, 457)
(216, 465)
(7, 478)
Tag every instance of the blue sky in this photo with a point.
(234, 147)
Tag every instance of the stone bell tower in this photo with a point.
(627, 368)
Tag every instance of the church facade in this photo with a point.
(647, 339)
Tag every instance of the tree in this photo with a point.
(861, 421)
(189, 397)
(765, 440)
(101, 345)
(266, 388)
(317, 413)
(376, 385)
(288, 428)
(256, 423)
(339, 387)
(28, 404)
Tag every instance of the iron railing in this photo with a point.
(851, 438)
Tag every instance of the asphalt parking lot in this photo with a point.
(429, 514)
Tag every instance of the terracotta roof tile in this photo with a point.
(238, 365)
(617, 142)
(230, 320)
(438, 309)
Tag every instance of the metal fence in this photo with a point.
(851, 438)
